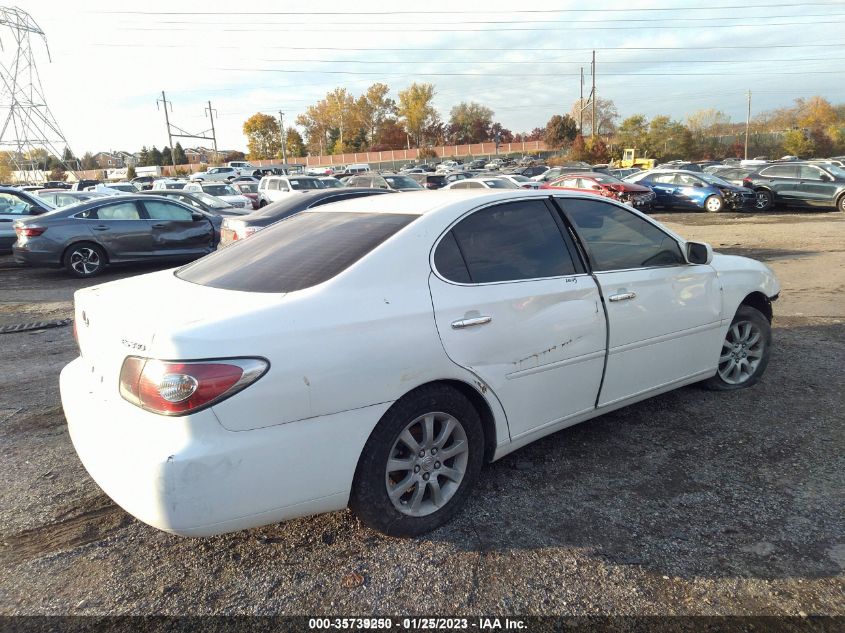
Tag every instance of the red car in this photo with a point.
(248, 189)
(637, 196)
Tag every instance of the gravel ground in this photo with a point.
(690, 503)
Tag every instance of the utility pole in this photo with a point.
(211, 112)
(581, 106)
(164, 102)
(593, 126)
(747, 124)
(282, 135)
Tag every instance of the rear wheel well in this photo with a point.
(488, 422)
(760, 302)
(81, 242)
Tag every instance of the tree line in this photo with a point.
(343, 122)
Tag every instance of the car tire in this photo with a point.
(840, 204)
(393, 491)
(745, 351)
(763, 200)
(263, 203)
(714, 204)
(84, 259)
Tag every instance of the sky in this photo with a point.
(109, 61)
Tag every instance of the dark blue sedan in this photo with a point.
(687, 190)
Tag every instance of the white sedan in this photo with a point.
(375, 353)
(226, 193)
(493, 182)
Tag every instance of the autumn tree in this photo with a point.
(795, 142)
(606, 115)
(469, 122)
(415, 109)
(633, 133)
(294, 145)
(262, 136)
(316, 120)
(668, 139)
(561, 130)
(374, 109)
(391, 135)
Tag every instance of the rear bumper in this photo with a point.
(24, 254)
(190, 476)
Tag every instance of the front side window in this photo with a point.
(507, 242)
(618, 239)
(808, 172)
(167, 211)
(301, 251)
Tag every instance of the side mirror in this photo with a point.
(699, 253)
(196, 216)
(37, 210)
(596, 187)
(698, 184)
(826, 178)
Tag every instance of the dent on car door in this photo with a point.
(664, 315)
(174, 230)
(513, 305)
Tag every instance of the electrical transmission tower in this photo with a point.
(27, 127)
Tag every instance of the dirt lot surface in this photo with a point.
(690, 503)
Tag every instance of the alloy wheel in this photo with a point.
(762, 200)
(85, 261)
(742, 352)
(426, 464)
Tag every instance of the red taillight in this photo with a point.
(29, 231)
(174, 388)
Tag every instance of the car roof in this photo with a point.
(423, 202)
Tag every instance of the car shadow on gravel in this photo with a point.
(692, 483)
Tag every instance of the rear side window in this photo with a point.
(122, 211)
(299, 252)
(507, 242)
(780, 171)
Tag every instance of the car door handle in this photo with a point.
(624, 296)
(101, 227)
(159, 226)
(462, 323)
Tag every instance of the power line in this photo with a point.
(515, 22)
(575, 27)
(551, 62)
(477, 49)
(468, 12)
(546, 75)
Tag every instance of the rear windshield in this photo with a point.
(299, 252)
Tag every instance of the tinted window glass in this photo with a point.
(123, 211)
(780, 171)
(618, 239)
(299, 252)
(273, 184)
(517, 240)
(449, 261)
(166, 211)
(10, 204)
(808, 172)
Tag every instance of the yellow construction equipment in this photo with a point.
(630, 159)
